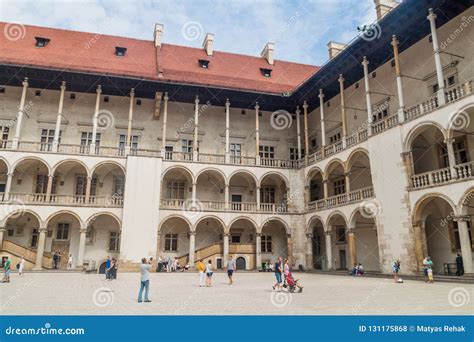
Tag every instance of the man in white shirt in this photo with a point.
(144, 280)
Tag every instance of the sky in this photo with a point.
(300, 29)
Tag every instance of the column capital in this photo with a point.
(63, 86)
(196, 101)
(431, 15)
(350, 230)
(25, 82)
(257, 107)
(42, 229)
(341, 78)
(166, 98)
(99, 89)
(3, 229)
(394, 40)
(417, 224)
(288, 236)
(328, 232)
(298, 110)
(227, 103)
(192, 233)
(309, 235)
(305, 105)
(226, 234)
(132, 92)
(83, 230)
(462, 218)
(448, 140)
(258, 234)
(365, 61)
(321, 94)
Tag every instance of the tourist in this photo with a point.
(278, 271)
(427, 264)
(230, 269)
(107, 268)
(144, 280)
(113, 268)
(169, 265)
(69, 262)
(459, 266)
(209, 273)
(360, 270)
(6, 270)
(201, 269)
(55, 260)
(59, 260)
(21, 266)
(396, 270)
(353, 271)
(175, 264)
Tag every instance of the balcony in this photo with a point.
(443, 176)
(340, 200)
(223, 206)
(66, 200)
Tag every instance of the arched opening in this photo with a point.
(465, 229)
(318, 245)
(461, 129)
(102, 239)
(3, 178)
(315, 185)
(273, 193)
(366, 241)
(336, 179)
(274, 241)
(70, 183)
(360, 176)
(174, 238)
(110, 185)
(337, 227)
(210, 188)
(177, 186)
(242, 241)
(428, 150)
(440, 240)
(63, 237)
(242, 192)
(23, 229)
(209, 241)
(30, 181)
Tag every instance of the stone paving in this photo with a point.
(251, 294)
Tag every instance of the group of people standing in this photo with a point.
(57, 260)
(170, 265)
(283, 273)
(111, 268)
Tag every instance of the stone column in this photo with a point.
(128, 146)
(19, 118)
(401, 101)
(95, 120)
(257, 196)
(227, 131)
(226, 194)
(257, 136)
(325, 188)
(439, 68)
(258, 251)
(347, 181)
(8, 186)
(196, 129)
(352, 246)
(165, 120)
(298, 132)
(82, 247)
(329, 250)
(193, 193)
(59, 118)
(225, 255)
(40, 248)
(309, 251)
(306, 131)
(321, 109)
(88, 190)
(158, 245)
(451, 157)
(368, 99)
(49, 188)
(466, 248)
(192, 246)
(418, 234)
(343, 110)
(2, 233)
(289, 244)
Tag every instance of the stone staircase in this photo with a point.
(16, 251)
(210, 251)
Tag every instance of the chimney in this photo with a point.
(157, 34)
(208, 43)
(267, 52)
(382, 7)
(334, 48)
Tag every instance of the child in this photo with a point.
(430, 275)
(209, 273)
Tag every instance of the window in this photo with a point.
(314, 143)
(204, 64)
(235, 238)
(86, 141)
(314, 191)
(72, 96)
(120, 51)
(81, 185)
(455, 239)
(266, 72)
(20, 230)
(267, 194)
(235, 153)
(267, 151)
(47, 138)
(4, 131)
(335, 138)
(374, 74)
(62, 231)
(37, 93)
(341, 234)
(175, 190)
(187, 145)
(106, 99)
(449, 82)
(339, 186)
(266, 244)
(294, 153)
(380, 111)
(90, 234)
(138, 102)
(41, 184)
(2, 90)
(114, 241)
(119, 186)
(42, 42)
(123, 143)
(460, 152)
(168, 152)
(171, 242)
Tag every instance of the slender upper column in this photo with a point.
(196, 128)
(49, 187)
(298, 132)
(95, 121)
(321, 109)
(257, 135)
(192, 246)
(8, 186)
(306, 135)
(451, 157)
(225, 253)
(258, 250)
(40, 248)
(165, 120)
(439, 68)
(227, 132)
(352, 247)
(82, 246)
(88, 190)
(465, 242)
(329, 250)
(343, 109)
(398, 73)
(57, 129)
(130, 120)
(19, 118)
(368, 100)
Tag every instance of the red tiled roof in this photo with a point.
(89, 52)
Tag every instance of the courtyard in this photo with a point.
(251, 294)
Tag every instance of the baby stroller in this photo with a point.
(290, 283)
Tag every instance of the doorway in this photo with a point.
(342, 259)
(236, 202)
(34, 239)
(240, 263)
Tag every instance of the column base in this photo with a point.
(401, 114)
(441, 97)
(92, 149)
(15, 143)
